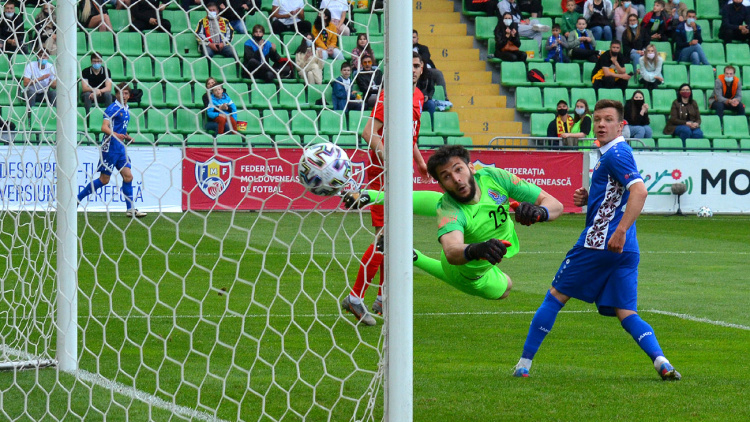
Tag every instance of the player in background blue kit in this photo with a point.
(113, 153)
(602, 267)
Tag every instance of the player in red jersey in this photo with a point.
(372, 260)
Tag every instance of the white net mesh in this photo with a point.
(224, 302)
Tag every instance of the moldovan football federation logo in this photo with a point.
(213, 176)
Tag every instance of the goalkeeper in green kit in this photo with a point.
(474, 224)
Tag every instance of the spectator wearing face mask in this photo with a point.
(309, 64)
(727, 94)
(583, 126)
(685, 116)
(650, 68)
(621, 16)
(96, 84)
(214, 33)
(562, 123)
(40, 80)
(634, 42)
(636, 114)
(735, 18)
(676, 12)
(259, 53)
(11, 29)
(687, 40)
(508, 40)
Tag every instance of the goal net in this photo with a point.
(223, 303)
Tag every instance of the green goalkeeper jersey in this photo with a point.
(489, 218)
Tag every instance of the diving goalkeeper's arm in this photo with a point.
(546, 208)
(424, 202)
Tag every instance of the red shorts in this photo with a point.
(375, 179)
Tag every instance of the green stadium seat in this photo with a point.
(643, 144)
(347, 141)
(188, 122)
(568, 75)
(491, 52)
(308, 140)
(738, 54)
(186, 45)
(468, 13)
(735, 127)
(711, 126)
(101, 42)
(153, 93)
(514, 74)
(43, 119)
(539, 123)
(140, 69)
(674, 75)
(81, 43)
(195, 70)
(130, 44)
(587, 94)
(9, 94)
(367, 23)
(315, 93)
(252, 117)
(459, 140)
(358, 120)
(181, 95)
(714, 53)
(701, 100)
(238, 92)
(552, 8)
(263, 96)
(303, 122)
(287, 141)
(425, 127)
(179, 20)
(447, 124)
(721, 145)
(588, 67)
(259, 141)
(292, 96)
(745, 145)
(332, 122)
(120, 19)
(200, 139)
(257, 19)
(672, 144)
(158, 44)
(96, 119)
(658, 122)
(137, 124)
(439, 94)
(745, 77)
(709, 9)
(431, 141)
(348, 43)
(701, 77)
(531, 45)
(664, 47)
(485, 27)
(169, 69)
(144, 139)
(170, 139)
(609, 94)
(275, 122)
(603, 45)
(529, 99)
(116, 67)
(697, 145)
(706, 33)
(224, 69)
(81, 120)
(194, 16)
(158, 121)
(552, 96)
(229, 140)
(4, 64)
(662, 100)
(646, 94)
(546, 69)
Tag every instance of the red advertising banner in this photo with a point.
(237, 178)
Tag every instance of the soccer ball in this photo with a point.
(324, 169)
(705, 212)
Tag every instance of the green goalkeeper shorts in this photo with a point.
(491, 285)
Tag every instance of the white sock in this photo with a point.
(526, 363)
(658, 362)
(354, 299)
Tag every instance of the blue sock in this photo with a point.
(541, 324)
(643, 334)
(127, 190)
(89, 189)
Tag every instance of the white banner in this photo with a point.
(720, 181)
(28, 175)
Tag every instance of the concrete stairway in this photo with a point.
(475, 98)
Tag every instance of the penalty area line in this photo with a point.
(699, 319)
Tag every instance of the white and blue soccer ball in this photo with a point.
(324, 169)
(705, 212)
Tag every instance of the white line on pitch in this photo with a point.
(699, 319)
(147, 398)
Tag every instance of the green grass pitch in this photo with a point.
(237, 316)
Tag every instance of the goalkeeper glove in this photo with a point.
(492, 250)
(356, 200)
(528, 214)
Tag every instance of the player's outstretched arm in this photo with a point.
(633, 208)
(546, 208)
(423, 202)
(459, 253)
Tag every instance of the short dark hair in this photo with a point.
(211, 3)
(96, 55)
(582, 19)
(729, 66)
(602, 104)
(556, 26)
(415, 55)
(345, 64)
(691, 11)
(414, 32)
(615, 42)
(259, 26)
(660, 2)
(562, 102)
(443, 155)
(122, 86)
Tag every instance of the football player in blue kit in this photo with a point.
(114, 155)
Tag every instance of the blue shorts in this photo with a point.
(112, 160)
(609, 279)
